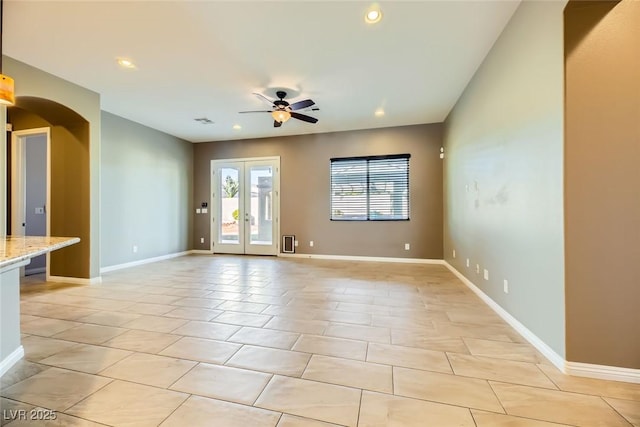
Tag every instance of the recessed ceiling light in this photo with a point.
(126, 63)
(237, 127)
(379, 112)
(373, 15)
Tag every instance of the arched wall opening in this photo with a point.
(70, 178)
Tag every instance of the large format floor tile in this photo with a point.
(265, 337)
(489, 419)
(142, 341)
(329, 346)
(223, 382)
(409, 357)
(351, 373)
(445, 388)
(119, 404)
(86, 358)
(203, 412)
(380, 410)
(210, 330)
(311, 399)
(629, 409)
(158, 371)
(201, 350)
(613, 389)
(499, 370)
(294, 421)
(37, 348)
(54, 388)
(275, 361)
(502, 350)
(261, 341)
(90, 334)
(557, 406)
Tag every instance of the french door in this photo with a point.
(245, 202)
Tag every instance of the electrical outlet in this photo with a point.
(202, 240)
(477, 268)
(467, 262)
(407, 246)
(295, 243)
(198, 210)
(506, 286)
(311, 243)
(454, 253)
(134, 249)
(486, 274)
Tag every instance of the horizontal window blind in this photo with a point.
(374, 188)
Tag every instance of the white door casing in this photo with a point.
(248, 222)
(18, 183)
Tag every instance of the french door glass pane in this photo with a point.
(229, 190)
(261, 206)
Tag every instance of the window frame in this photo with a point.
(367, 183)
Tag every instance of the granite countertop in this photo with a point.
(14, 249)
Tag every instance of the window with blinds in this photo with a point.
(373, 188)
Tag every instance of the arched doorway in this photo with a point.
(70, 178)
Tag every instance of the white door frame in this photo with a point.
(213, 233)
(19, 179)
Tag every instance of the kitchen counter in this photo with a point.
(16, 249)
(16, 252)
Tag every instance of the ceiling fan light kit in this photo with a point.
(282, 111)
(281, 115)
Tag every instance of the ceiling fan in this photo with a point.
(282, 111)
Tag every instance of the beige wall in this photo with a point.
(32, 82)
(602, 181)
(503, 173)
(305, 190)
(69, 190)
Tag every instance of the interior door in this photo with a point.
(245, 206)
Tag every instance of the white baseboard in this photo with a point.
(542, 347)
(364, 258)
(75, 280)
(602, 372)
(143, 261)
(11, 360)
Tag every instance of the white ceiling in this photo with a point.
(205, 58)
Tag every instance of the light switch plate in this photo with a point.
(205, 210)
(198, 210)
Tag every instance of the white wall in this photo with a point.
(146, 192)
(504, 172)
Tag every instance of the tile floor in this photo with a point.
(256, 341)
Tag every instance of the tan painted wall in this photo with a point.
(503, 173)
(305, 190)
(69, 190)
(602, 181)
(32, 82)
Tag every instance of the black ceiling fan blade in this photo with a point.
(304, 117)
(256, 111)
(261, 96)
(301, 104)
(277, 124)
